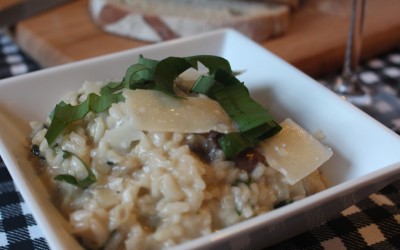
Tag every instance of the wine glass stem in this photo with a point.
(354, 42)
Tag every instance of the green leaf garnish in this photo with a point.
(111, 88)
(254, 122)
(168, 69)
(65, 114)
(67, 178)
(89, 180)
(146, 74)
(233, 143)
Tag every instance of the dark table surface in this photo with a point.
(373, 223)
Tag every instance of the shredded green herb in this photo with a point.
(64, 114)
(254, 121)
(89, 180)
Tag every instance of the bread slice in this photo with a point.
(158, 20)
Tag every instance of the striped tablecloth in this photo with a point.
(373, 223)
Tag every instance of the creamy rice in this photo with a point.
(152, 190)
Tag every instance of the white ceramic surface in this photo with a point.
(366, 154)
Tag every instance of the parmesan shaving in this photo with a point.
(294, 152)
(152, 110)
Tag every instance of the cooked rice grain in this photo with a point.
(152, 191)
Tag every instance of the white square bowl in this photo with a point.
(366, 153)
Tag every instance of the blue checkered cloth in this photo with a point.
(18, 229)
(373, 223)
(13, 61)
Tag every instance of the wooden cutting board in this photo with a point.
(8, 3)
(315, 41)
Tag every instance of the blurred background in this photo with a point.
(309, 34)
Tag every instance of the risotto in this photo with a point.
(127, 181)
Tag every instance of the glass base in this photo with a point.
(350, 89)
(358, 100)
